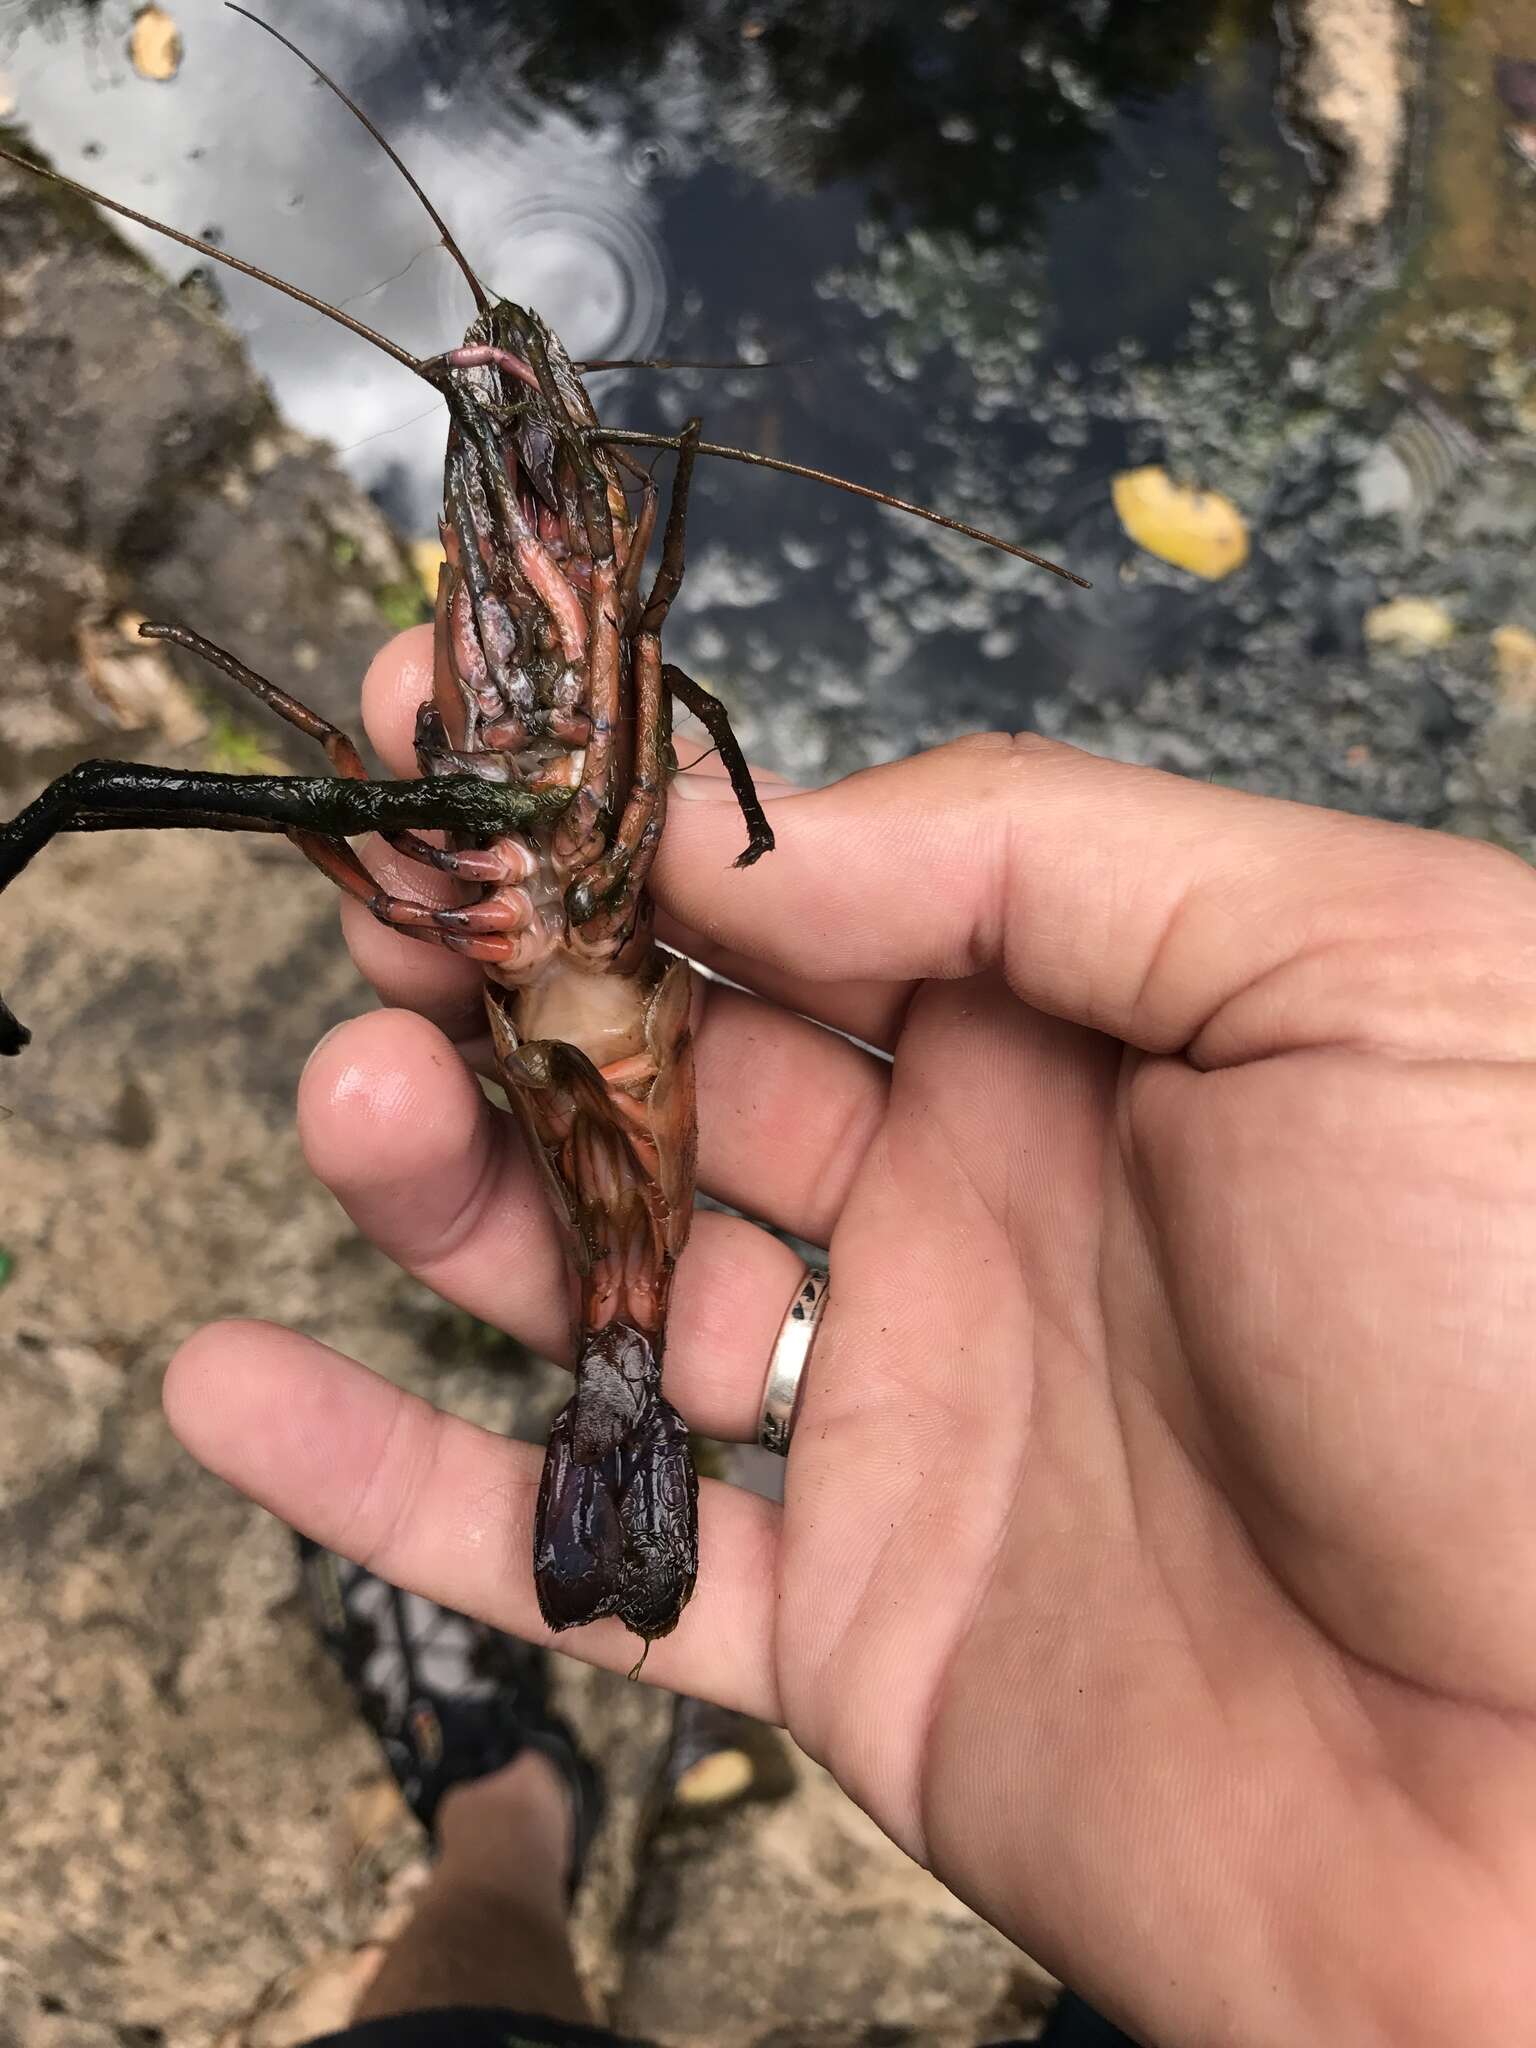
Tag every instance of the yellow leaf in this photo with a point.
(1196, 530)
(427, 558)
(154, 44)
(715, 1780)
(134, 681)
(1514, 658)
(1414, 623)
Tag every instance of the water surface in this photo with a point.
(999, 253)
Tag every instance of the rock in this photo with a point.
(143, 470)
(845, 1940)
(1349, 90)
(172, 1728)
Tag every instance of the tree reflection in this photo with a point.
(956, 118)
(951, 118)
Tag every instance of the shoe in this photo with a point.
(450, 1699)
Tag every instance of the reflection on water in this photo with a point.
(1002, 252)
(549, 242)
(246, 147)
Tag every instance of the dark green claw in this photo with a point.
(102, 796)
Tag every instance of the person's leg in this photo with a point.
(492, 1925)
(464, 1717)
(1075, 2025)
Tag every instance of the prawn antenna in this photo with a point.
(585, 369)
(482, 302)
(632, 437)
(278, 284)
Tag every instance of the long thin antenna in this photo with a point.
(681, 363)
(223, 256)
(481, 300)
(633, 438)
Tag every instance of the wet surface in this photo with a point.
(970, 237)
(1000, 253)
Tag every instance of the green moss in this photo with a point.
(235, 748)
(456, 1337)
(402, 605)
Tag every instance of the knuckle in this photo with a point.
(378, 1528)
(1496, 869)
(991, 766)
(1010, 756)
(1468, 886)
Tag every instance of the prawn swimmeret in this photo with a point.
(544, 759)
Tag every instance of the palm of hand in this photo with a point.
(1205, 1511)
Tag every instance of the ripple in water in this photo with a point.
(588, 266)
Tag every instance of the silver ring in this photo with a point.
(786, 1361)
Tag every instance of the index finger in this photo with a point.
(1173, 915)
(431, 1502)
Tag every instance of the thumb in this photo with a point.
(1170, 914)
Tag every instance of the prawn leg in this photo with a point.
(340, 750)
(715, 719)
(603, 898)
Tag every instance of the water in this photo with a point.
(999, 252)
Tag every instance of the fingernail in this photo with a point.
(323, 1041)
(708, 789)
(716, 789)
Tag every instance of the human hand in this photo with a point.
(1158, 1553)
